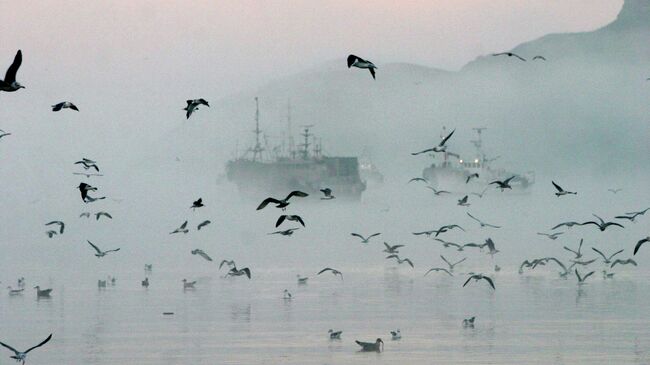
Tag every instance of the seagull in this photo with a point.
(334, 335)
(188, 284)
(581, 279)
(539, 58)
(197, 204)
(101, 283)
(606, 259)
(469, 177)
(84, 215)
(552, 236)
(286, 232)
(192, 105)
(505, 184)
(364, 239)
(438, 192)
(201, 253)
(448, 244)
(282, 203)
(528, 264)
(396, 335)
(101, 253)
(451, 266)
(558, 262)
(602, 225)
(50, 233)
(567, 224)
(418, 179)
(328, 194)
(287, 295)
(15, 291)
(202, 224)
(90, 199)
(44, 293)
(561, 191)
(490, 245)
(100, 214)
(607, 275)
(234, 272)
(577, 253)
(181, 229)
(463, 202)
(478, 277)
(145, 282)
(469, 322)
(623, 262)
(614, 191)
(440, 230)
(148, 267)
(59, 223)
(64, 105)
(355, 61)
(441, 147)
(334, 271)
(229, 263)
(641, 242)
(583, 263)
(483, 224)
(481, 194)
(84, 189)
(436, 269)
(376, 346)
(292, 218)
(87, 175)
(392, 249)
(509, 54)
(20, 356)
(632, 215)
(400, 261)
(301, 280)
(87, 164)
(4, 134)
(10, 84)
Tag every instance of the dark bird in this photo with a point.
(451, 266)
(355, 61)
(469, 177)
(64, 105)
(328, 194)
(441, 147)
(10, 84)
(102, 214)
(552, 236)
(483, 224)
(399, 260)
(509, 54)
(42, 293)
(50, 233)
(631, 216)
(284, 202)
(478, 277)
(334, 335)
(463, 201)
(561, 191)
(577, 253)
(229, 263)
(21, 356)
(292, 218)
(145, 282)
(539, 58)
(614, 191)
(436, 269)
(392, 249)
(602, 225)
(567, 224)
(418, 179)
(607, 259)
(202, 224)
(201, 253)
(4, 134)
(581, 263)
(84, 189)
(376, 346)
(490, 245)
(623, 262)
(235, 272)
(193, 105)
(641, 242)
(334, 271)
(286, 232)
(180, 229)
(581, 279)
(101, 253)
(59, 223)
(364, 239)
(505, 184)
(197, 204)
(87, 164)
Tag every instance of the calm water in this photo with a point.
(532, 318)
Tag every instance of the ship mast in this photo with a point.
(306, 144)
(290, 132)
(478, 143)
(257, 150)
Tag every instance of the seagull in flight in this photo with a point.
(334, 271)
(292, 218)
(481, 194)
(640, 243)
(623, 262)
(483, 224)
(447, 244)
(436, 269)
(87, 164)
(552, 236)
(438, 192)
(84, 215)
(399, 260)
(614, 191)
(202, 224)
(463, 202)
(505, 184)
(229, 263)
(567, 224)
(286, 232)
(355, 61)
(577, 253)
(193, 105)
(21, 356)
(364, 239)
(607, 259)
(101, 253)
(282, 203)
(180, 229)
(451, 266)
(4, 134)
(197, 204)
(581, 279)
(84, 189)
(59, 223)
(561, 191)
(234, 272)
(418, 179)
(328, 194)
(602, 225)
(509, 54)
(631, 216)
(441, 147)
(201, 253)
(469, 177)
(102, 214)
(64, 105)
(10, 84)
(539, 58)
(478, 277)
(490, 245)
(392, 249)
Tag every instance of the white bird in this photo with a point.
(364, 239)
(301, 280)
(399, 260)
(193, 105)
(392, 249)
(188, 284)
(451, 266)
(15, 291)
(180, 229)
(287, 295)
(334, 271)
(64, 105)
(396, 335)
(355, 61)
(10, 84)
(439, 269)
(561, 191)
(483, 224)
(334, 335)
(577, 253)
(202, 254)
(229, 263)
(59, 223)
(21, 356)
(101, 253)
(441, 147)
(581, 279)
(607, 259)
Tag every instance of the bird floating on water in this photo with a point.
(188, 284)
(301, 280)
(396, 335)
(334, 335)
(376, 346)
(21, 356)
(469, 322)
(42, 293)
(287, 295)
(9, 83)
(355, 61)
(328, 194)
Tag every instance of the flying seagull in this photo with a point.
(641, 242)
(505, 184)
(490, 245)
(577, 253)
(602, 225)
(376, 346)
(364, 239)
(552, 236)
(292, 218)
(436, 269)
(59, 223)
(84, 189)
(188, 284)
(101, 253)
(84, 215)
(480, 195)
(4, 134)
(102, 214)
(21, 356)
(10, 84)
(614, 191)
(567, 224)
(607, 259)
(561, 191)
(469, 177)
(286, 232)
(441, 147)
(483, 224)
(87, 164)
(539, 58)
(229, 263)
(451, 266)
(392, 249)
(509, 54)
(438, 192)
(180, 229)
(202, 254)
(463, 201)
(581, 279)
(399, 260)
(197, 204)
(355, 61)
(623, 262)
(478, 277)
(202, 224)
(334, 271)
(631, 216)
(192, 105)
(235, 272)
(282, 203)
(328, 194)
(64, 105)
(418, 179)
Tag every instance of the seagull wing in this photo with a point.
(445, 260)
(325, 269)
(474, 218)
(615, 253)
(460, 261)
(641, 242)
(299, 219)
(297, 193)
(468, 280)
(568, 249)
(113, 250)
(559, 189)
(442, 143)
(421, 152)
(266, 202)
(203, 224)
(409, 262)
(204, 255)
(588, 275)
(600, 253)
(372, 72)
(10, 76)
(10, 348)
(95, 247)
(246, 271)
(489, 281)
(521, 58)
(352, 59)
(183, 225)
(360, 236)
(57, 107)
(373, 235)
(280, 220)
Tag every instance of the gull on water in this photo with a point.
(334, 335)
(376, 346)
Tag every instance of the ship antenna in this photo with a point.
(257, 150)
(305, 146)
(478, 143)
